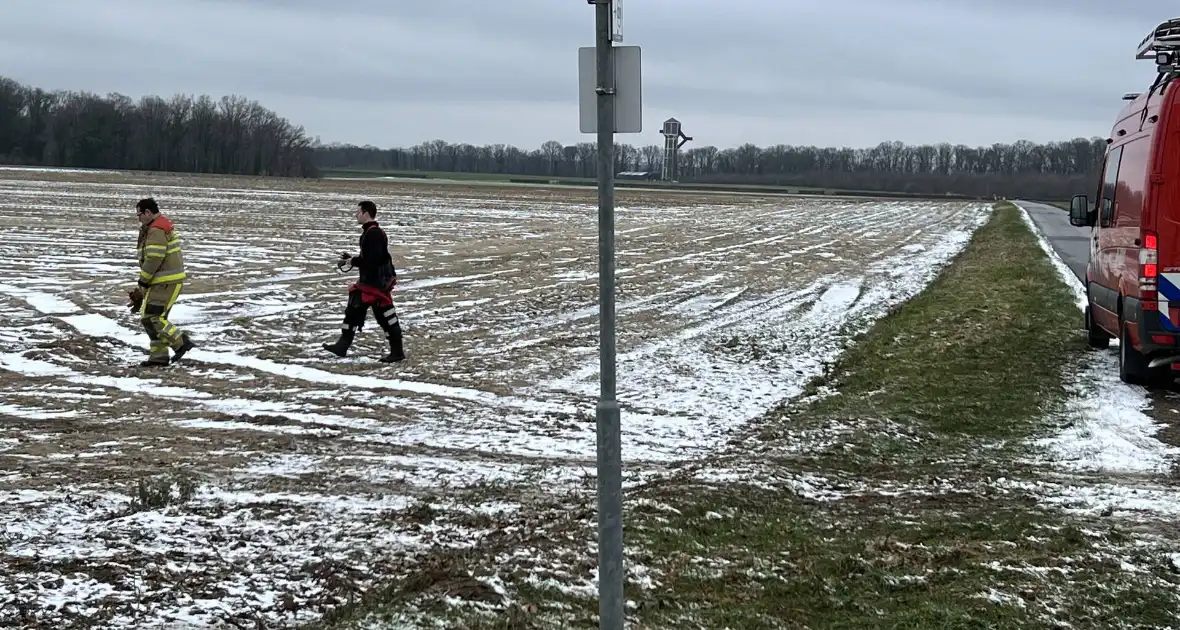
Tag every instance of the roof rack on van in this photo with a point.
(1162, 44)
(1165, 39)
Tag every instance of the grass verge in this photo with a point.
(894, 500)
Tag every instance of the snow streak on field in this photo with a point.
(306, 478)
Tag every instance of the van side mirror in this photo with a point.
(1079, 212)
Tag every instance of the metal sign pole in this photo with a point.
(610, 466)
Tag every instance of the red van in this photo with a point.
(1133, 277)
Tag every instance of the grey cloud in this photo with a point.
(1148, 13)
(895, 62)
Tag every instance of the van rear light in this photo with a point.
(1149, 269)
(1163, 339)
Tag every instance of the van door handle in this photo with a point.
(1138, 242)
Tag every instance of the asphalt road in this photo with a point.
(1071, 243)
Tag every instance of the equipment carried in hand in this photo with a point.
(135, 299)
(345, 257)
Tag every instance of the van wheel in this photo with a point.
(1133, 365)
(1095, 336)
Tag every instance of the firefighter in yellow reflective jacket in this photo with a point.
(161, 276)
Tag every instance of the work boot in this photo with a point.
(394, 357)
(340, 348)
(396, 353)
(157, 354)
(186, 344)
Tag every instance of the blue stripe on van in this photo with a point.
(1167, 323)
(1167, 288)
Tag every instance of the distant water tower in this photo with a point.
(674, 138)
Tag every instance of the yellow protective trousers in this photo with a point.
(158, 300)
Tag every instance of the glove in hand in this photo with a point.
(135, 299)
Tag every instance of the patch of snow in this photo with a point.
(233, 406)
(34, 413)
(46, 303)
(1107, 431)
(1000, 597)
(95, 534)
(806, 485)
(1131, 497)
(95, 325)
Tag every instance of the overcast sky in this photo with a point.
(399, 72)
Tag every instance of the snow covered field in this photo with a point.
(299, 479)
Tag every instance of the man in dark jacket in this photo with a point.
(373, 288)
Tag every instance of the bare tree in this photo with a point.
(183, 133)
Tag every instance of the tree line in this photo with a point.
(233, 135)
(1055, 170)
(184, 133)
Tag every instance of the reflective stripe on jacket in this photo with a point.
(160, 258)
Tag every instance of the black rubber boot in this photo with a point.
(186, 344)
(340, 348)
(396, 352)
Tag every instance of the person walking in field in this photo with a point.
(161, 277)
(373, 288)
